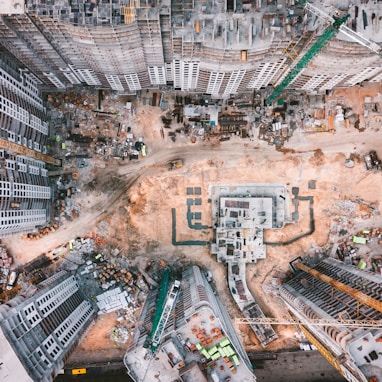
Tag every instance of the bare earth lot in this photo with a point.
(136, 200)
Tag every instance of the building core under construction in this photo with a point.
(332, 290)
(220, 48)
(241, 214)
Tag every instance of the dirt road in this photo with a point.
(136, 199)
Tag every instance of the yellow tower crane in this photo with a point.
(22, 150)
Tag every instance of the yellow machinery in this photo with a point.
(22, 150)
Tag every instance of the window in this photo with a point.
(157, 75)
(54, 80)
(133, 82)
(216, 79)
(114, 82)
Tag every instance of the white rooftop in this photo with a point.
(12, 7)
(366, 352)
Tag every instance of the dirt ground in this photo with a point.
(136, 199)
(97, 346)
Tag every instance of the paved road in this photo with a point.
(297, 367)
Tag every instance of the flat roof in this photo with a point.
(12, 7)
(246, 212)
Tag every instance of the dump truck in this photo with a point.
(175, 163)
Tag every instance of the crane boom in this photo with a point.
(376, 324)
(169, 305)
(22, 150)
(357, 37)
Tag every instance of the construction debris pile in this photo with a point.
(114, 285)
(95, 123)
(202, 118)
(357, 208)
(362, 249)
(5, 267)
(277, 125)
(75, 252)
(119, 334)
(116, 299)
(64, 207)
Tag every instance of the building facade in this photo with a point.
(217, 48)
(25, 192)
(39, 333)
(346, 293)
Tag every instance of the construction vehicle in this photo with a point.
(336, 25)
(175, 164)
(79, 371)
(12, 280)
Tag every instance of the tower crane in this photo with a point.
(168, 307)
(164, 307)
(22, 150)
(336, 26)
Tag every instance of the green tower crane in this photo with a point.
(328, 34)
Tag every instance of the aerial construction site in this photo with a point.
(190, 191)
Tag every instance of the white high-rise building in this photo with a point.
(25, 193)
(216, 48)
(38, 334)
